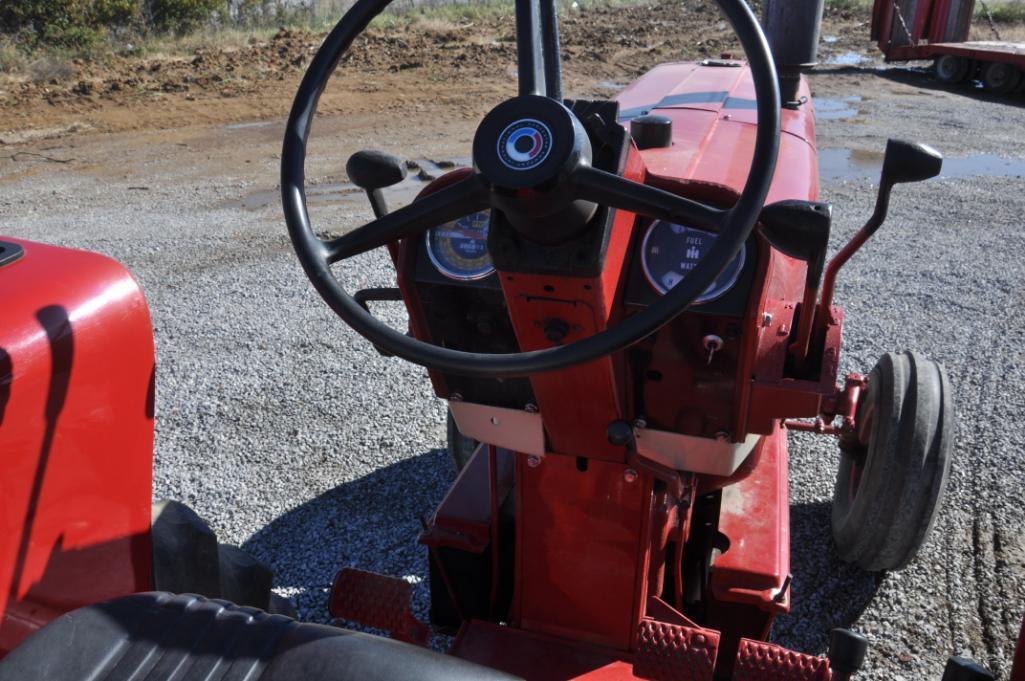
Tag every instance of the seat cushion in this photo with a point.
(162, 637)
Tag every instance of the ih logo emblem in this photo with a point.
(525, 144)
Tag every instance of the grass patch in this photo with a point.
(38, 65)
(444, 14)
(168, 46)
(471, 11)
(848, 5)
(1012, 12)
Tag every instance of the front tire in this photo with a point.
(894, 468)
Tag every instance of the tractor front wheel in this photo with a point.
(894, 467)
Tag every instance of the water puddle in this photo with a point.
(248, 125)
(421, 173)
(847, 59)
(854, 164)
(836, 108)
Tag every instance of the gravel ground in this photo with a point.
(296, 440)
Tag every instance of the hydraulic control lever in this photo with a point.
(846, 653)
(800, 229)
(961, 669)
(372, 171)
(903, 162)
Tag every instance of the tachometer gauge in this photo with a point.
(670, 251)
(459, 249)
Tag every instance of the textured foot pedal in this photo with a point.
(377, 601)
(670, 652)
(758, 661)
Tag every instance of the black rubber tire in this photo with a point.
(244, 579)
(1001, 78)
(460, 447)
(893, 472)
(950, 69)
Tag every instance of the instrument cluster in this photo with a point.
(458, 250)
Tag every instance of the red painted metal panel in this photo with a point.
(538, 657)
(713, 114)
(922, 14)
(1010, 53)
(463, 520)
(755, 518)
(76, 433)
(1018, 668)
(587, 306)
(579, 538)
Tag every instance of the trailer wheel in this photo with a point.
(460, 447)
(1001, 78)
(894, 468)
(950, 69)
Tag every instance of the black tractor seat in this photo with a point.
(163, 637)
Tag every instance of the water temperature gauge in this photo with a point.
(459, 249)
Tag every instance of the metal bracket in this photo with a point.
(693, 454)
(517, 430)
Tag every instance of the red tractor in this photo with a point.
(626, 304)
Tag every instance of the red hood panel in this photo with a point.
(714, 124)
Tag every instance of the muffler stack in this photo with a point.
(792, 28)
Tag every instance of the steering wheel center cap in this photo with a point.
(524, 144)
(529, 141)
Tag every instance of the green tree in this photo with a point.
(180, 16)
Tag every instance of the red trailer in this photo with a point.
(939, 30)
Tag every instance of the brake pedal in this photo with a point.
(671, 652)
(759, 661)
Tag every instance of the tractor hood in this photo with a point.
(712, 107)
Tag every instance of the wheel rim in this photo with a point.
(946, 68)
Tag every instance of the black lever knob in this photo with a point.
(371, 171)
(375, 169)
(961, 669)
(909, 162)
(846, 653)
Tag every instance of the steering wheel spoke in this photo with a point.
(618, 192)
(455, 201)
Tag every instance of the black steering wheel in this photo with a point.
(532, 159)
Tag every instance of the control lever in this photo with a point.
(961, 669)
(904, 162)
(800, 229)
(846, 653)
(372, 171)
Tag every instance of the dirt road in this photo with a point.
(401, 66)
(293, 437)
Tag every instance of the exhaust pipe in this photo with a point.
(792, 28)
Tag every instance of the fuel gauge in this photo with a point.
(670, 251)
